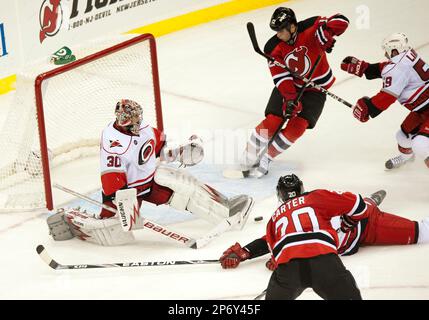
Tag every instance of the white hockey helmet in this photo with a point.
(396, 41)
(129, 114)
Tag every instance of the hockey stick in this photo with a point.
(252, 34)
(188, 241)
(43, 254)
(148, 224)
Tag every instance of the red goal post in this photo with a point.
(73, 103)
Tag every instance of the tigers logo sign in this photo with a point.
(298, 61)
(50, 18)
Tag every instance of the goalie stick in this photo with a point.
(252, 34)
(148, 224)
(43, 254)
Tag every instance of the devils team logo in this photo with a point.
(298, 61)
(50, 18)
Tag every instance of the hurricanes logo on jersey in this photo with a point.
(115, 143)
(146, 151)
(298, 61)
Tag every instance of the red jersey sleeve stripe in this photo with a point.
(359, 207)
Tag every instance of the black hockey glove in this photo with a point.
(292, 108)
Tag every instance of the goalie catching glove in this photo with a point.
(189, 153)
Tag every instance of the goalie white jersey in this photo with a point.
(129, 159)
(407, 78)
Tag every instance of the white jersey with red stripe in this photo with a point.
(129, 157)
(406, 77)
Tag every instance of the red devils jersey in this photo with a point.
(301, 227)
(350, 241)
(301, 56)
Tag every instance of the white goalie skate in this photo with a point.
(399, 161)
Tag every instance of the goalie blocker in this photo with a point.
(189, 194)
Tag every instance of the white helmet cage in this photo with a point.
(396, 41)
(129, 114)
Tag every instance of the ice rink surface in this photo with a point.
(213, 82)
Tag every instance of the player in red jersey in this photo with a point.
(304, 244)
(406, 80)
(375, 228)
(297, 45)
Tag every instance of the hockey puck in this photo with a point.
(258, 218)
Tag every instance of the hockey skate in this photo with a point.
(399, 161)
(260, 169)
(378, 197)
(248, 168)
(239, 210)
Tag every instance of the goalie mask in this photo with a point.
(129, 114)
(397, 42)
(288, 187)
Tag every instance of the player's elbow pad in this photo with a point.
(337, 24)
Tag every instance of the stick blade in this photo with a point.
(43, 254)
(252, 35)
(234, 174)
(40, 249)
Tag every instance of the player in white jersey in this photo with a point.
(406, 80)
(128, 159)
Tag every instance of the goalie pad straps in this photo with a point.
(193, 196)
(105, 232)
(59, 229)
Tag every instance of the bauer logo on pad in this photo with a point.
(63, 56)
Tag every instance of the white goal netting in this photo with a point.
(77, 104)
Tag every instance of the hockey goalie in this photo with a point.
(132, 177)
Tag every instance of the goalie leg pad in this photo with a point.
(192, 195)
(128, 209)
(239, 210)
(105, 232)
(59, 229)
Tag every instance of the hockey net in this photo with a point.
(58, 113)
